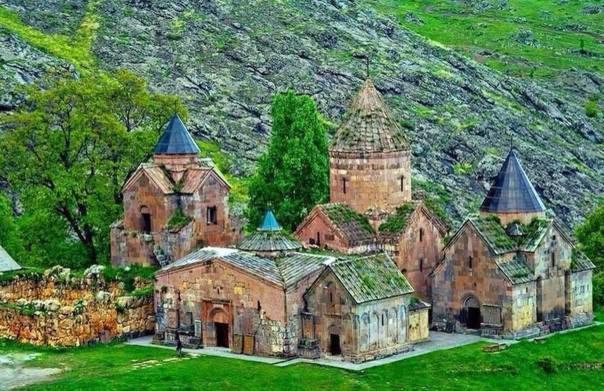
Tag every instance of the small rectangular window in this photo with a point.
(212, 215)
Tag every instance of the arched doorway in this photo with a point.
(472, 311)
(221, 327)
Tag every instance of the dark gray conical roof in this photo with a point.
(176, 139)
(512, 191)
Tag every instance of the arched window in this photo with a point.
(146, 220)
(421, 234)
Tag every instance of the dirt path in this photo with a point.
(14, 373)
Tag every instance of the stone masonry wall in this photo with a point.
(417, 258)
(60, 309)
(372, 180)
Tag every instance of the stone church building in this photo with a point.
(371, 207)
(512, 270)
(272, 301)
(361, 274)
(173, 204)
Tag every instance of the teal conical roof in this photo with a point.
(269, 222)
(269, 237)
(176, 139)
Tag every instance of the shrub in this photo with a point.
(548, 364)
(591, 107)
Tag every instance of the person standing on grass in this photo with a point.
(178, 345)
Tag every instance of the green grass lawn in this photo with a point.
(557, 28)
(115, 367)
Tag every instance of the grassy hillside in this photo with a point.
(566, 361)
(519, 37)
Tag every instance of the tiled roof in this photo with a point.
(264, 268)
(512, 191)
(494, 234)
(354, 227)
(192, 178)
(399, 219)
(176, 139)
(268, 241)
(369, 126)
(370, 278)
(189, 183)
(580, 262)
(7, 263)
(198, 256)
(269, 237)
(295, 266)
(516, 270)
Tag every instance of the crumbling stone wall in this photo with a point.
(60, 309)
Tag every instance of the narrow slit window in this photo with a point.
(402, 184)
(344, 189)
(421, 264)
(212, 215)
(470, 262)
(421, 234)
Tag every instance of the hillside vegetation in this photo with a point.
(522, 38)
(226, 59)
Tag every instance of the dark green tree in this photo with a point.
(292, 175)
(71, 147)
(590, 236)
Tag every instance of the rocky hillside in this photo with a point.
(226, 58)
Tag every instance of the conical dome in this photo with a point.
(269, 237)
(512, 191)
(368, 126)
(176, 139)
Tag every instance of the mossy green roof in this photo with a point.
(580, 262)
(368, 126)
(370, 278)
(500, 241)
(397, 221)
(354, 226)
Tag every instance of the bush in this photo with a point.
(598, 289)
(548, 364)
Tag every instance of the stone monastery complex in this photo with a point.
(386, 275)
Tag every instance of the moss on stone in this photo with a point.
(178, 220)
(341, 214)
(397, 221)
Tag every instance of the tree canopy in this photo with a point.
(71, 147)
(292, 175)
(590, 236)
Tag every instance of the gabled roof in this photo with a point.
(516, 270)
(580, 262)
(295, 266)
(370, 278)
(284, 271)
(269, 237)
(399, 220)
(7, 263)
(368, 125)
(345, 221)
(192, 179)
(176, 139)
(512, 191)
